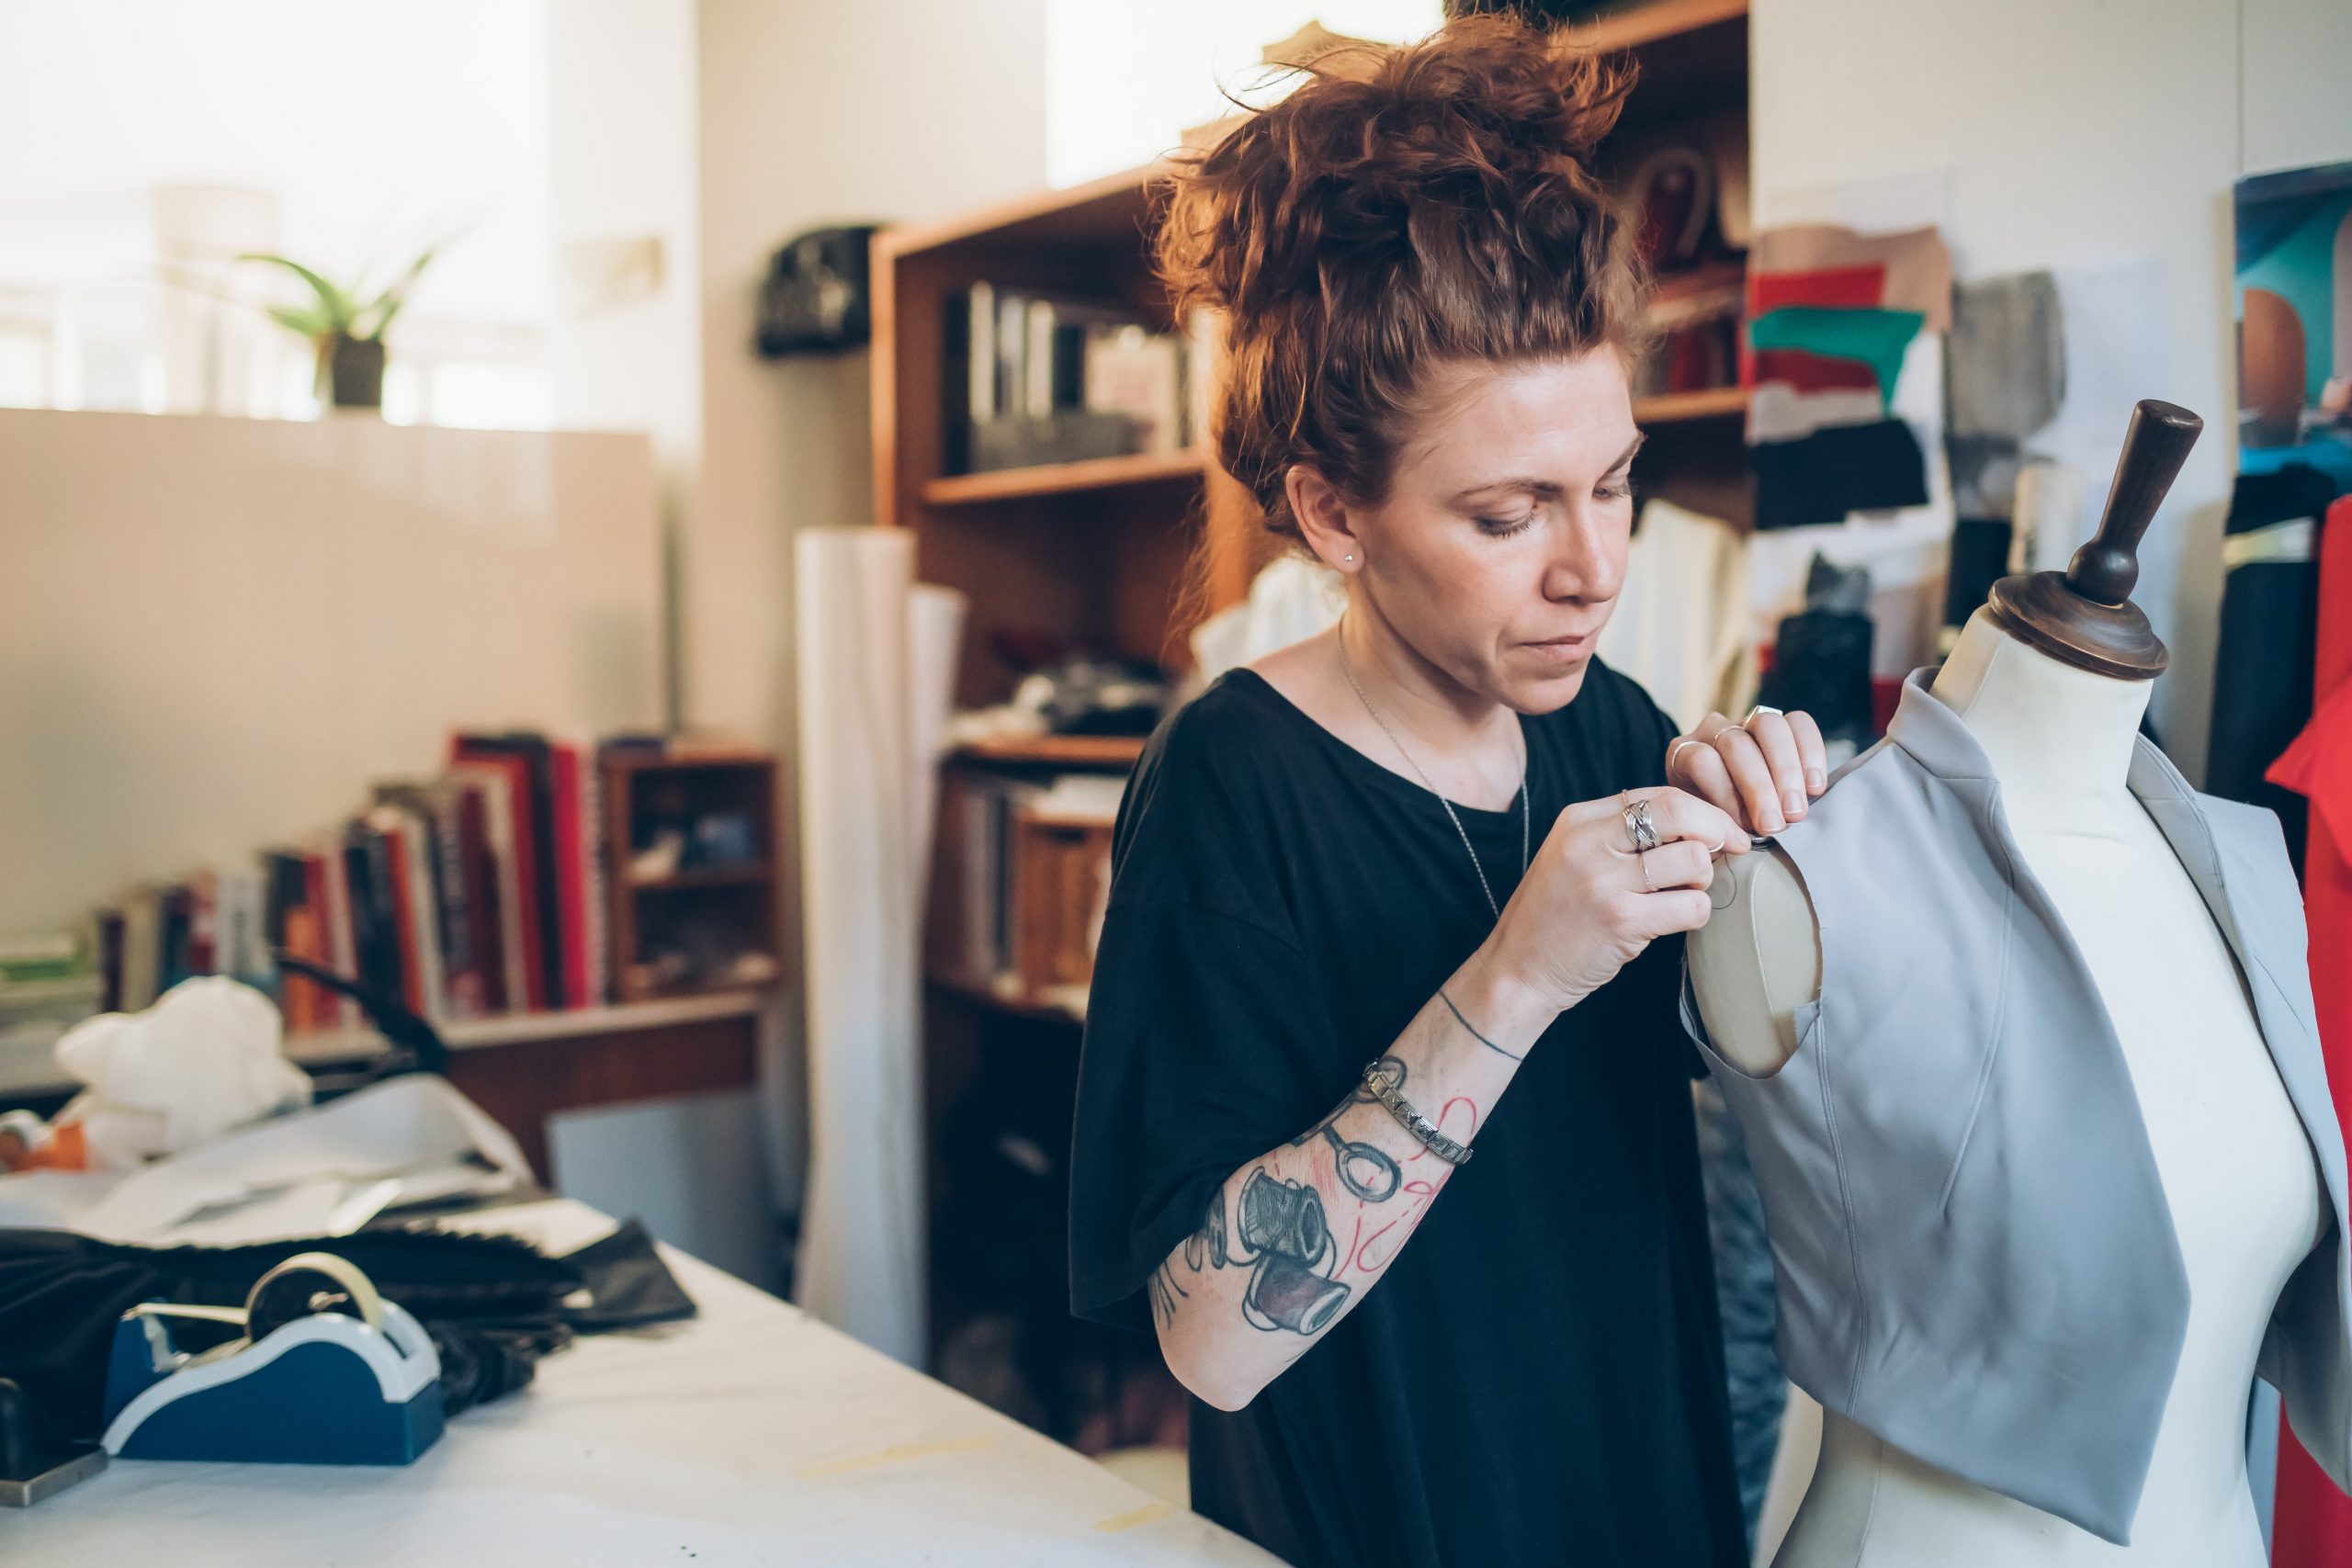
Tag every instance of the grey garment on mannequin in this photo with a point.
(1848, 1157)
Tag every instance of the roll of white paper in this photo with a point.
(861, 1265)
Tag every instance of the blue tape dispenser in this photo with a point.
(316, 1368)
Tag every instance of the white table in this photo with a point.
(750, 1434)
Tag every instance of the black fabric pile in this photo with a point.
(492, 1305)
(1821, 660)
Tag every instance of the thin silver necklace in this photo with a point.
(1385, 729)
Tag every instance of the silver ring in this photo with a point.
(1646, 837)
(1675, 749)
(1759, 708)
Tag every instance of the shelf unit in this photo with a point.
(734, 905)
(1101, 553)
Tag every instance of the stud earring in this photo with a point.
(1347, 557)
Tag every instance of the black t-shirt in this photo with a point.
(1538, 1376)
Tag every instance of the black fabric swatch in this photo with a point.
(1848, 467)
(2262, 685)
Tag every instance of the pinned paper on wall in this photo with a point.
(1875, 338)
(1834, 317)
(1916, 264)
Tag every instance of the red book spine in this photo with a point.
(482, 899)
(517, 774)
(313, 1004)
(394, 833)
(571, 872)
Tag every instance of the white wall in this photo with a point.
(216, 634)
(2077, 132)
(624, 212)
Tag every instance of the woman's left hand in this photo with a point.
(1762, 771)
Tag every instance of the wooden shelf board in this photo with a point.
(359, 1043)
(1007, 1002)
(1668, 408)
(1638, 25)
(1056, 750)
(705, 876)
(1063, 479)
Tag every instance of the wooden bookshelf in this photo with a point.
(736, 905)
(1088, 553)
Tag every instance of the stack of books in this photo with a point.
(48, 983)
(1019, 876)
(477, 892)
(1053, 380)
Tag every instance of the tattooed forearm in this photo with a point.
(1473, 1034)
(1293, 1241)
(1366, 1170)
(1279, 1232)
(1286, 1243)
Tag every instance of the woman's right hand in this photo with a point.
(1589, 904)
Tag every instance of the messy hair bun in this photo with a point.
(1403, 207)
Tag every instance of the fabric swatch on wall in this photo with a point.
(1822, 477)
(1918, 262)
(1877, 338)
(1863, 287)
(2004, 368)
(1778, 412)
(1809, 372)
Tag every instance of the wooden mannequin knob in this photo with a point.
(2084, 616)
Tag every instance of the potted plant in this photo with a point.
(346, 332)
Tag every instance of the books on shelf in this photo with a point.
(1020, 876)
(477, 892)
(1051, 379)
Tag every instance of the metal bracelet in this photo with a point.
(1383, 1088)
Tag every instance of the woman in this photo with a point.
(1411, 890)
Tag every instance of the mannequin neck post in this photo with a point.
(2060, 738)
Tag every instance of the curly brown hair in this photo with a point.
(1402, 208)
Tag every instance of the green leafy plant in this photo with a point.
(337, 312)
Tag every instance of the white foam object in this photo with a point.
(206, 1058)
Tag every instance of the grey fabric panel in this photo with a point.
(1745, 1294)
(2005, 363)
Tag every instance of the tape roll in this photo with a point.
(271, 1304)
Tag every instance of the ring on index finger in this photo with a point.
(1638, 825)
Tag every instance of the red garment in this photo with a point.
(2313, 1526)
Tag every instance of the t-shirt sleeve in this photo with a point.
(1204, 1035)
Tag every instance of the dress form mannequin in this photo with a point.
(2237, 1171)
(2236, 1168)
